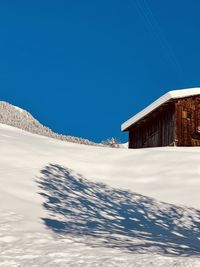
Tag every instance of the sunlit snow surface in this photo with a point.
(65, 204)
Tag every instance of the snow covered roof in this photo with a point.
(175, 94)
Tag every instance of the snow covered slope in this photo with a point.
(65, 204)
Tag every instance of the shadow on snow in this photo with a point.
(106, 216)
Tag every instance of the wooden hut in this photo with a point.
(172, 120)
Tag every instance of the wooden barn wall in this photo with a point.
(188, 121)
(158, 129)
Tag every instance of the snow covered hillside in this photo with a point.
(17, 117)
(66, 204)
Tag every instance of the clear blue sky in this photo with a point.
(83, 67)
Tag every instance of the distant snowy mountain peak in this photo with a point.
(20, 110)
(16, 108)
(6, 105)
(20, 118)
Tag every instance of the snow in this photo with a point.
(174, 94)
(66, 204)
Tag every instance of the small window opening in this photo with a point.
(189, 115)
(186, 115)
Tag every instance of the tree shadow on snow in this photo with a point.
(106, 216)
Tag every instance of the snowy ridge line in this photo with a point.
(19, 118)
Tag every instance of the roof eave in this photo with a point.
(175, 94)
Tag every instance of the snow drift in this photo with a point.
(65, 204)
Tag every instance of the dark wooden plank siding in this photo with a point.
(175, 122)
(157, 129)
(188, 121)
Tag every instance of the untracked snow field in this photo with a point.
(65, 204)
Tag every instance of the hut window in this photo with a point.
(186, 115)
(189, 115)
